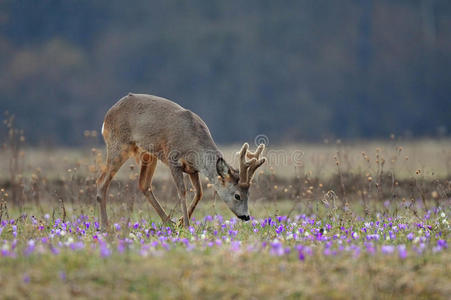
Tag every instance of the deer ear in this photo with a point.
(222, 168)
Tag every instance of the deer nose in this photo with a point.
(244, 218)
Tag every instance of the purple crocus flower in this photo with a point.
(356, 250)
(165, 246)
(392, 235)
(402, 251)
(144, 250)
(420, 248)
(54, 250)
(442, 243)
(77, 246)
(235, 246)
(121, 246)
(387, 249)
(327, 252)
(402, 226)
(276, 248)
(303, 250)
(26, 278)
(219, 218)
(301, 255)
(104, 250)
(279, 229)
(30, 248)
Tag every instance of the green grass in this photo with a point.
(219, 272)
(312, 186)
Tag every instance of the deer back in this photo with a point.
(157, 125)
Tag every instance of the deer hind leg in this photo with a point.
(177, 175)
(116, 157)
(148, 165)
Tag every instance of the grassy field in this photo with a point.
(325, 255)
(340, 221)
(286, 161)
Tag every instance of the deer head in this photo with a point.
(233, 186)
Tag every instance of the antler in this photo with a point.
(247, 168)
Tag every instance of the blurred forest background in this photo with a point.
(293, 70)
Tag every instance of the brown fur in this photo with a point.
(149, 128)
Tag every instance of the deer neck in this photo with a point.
(207, 164)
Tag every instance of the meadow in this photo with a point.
(340, 220)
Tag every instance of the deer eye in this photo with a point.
(237, 197)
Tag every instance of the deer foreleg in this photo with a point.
(177, 174)
(195, 180)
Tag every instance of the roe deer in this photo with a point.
(149, 128)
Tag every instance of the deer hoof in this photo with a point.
(180, 222)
